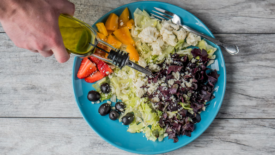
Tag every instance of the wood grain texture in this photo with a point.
(221, 16)
(33, 86)
(74, 136)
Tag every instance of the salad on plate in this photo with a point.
(167, 103)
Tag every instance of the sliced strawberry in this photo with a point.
(94, 77)
(104, 68)
(94, 59)
(86, 68)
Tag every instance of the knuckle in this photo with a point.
(73, 8)
(39, 46)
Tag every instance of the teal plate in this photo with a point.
(113, 131)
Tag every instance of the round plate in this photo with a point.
(113, 131)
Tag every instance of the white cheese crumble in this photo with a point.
(171, 82)
(168, 60)
(176, 75)
(140, 92)
(149, 34)
(173, 98)
(152, 87)
(155, 99)
(181, 34)
(121, 23)
(142, 62)
(154, 67)
(193, 39)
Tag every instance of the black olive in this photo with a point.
(120, 106)
(128, 118)
(113, 115)
(93, 96)
(104, 109)
(196, 118)
(105, 88)
(160, 106)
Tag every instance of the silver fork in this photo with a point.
(164, 15)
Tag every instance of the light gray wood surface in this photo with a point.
(38, 113)
(221, 16)
(73, 136)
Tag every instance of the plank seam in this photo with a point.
(82, 118)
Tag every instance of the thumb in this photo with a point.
(58, 47)
(65, 7)
(60, 53)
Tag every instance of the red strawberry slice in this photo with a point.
(86, 68)
(94, 59)
(101, 66)
(94, 77)
(104, 68)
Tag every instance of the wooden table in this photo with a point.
(38, 113)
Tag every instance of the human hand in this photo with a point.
(33, 25)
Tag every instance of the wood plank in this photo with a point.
(33, 86)
(74, 136)
(250, 90)
(221, 16)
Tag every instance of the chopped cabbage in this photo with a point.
(186, 52)
(210, 49)
(125, 83)
(143, 19)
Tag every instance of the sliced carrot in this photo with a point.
(133, 53)
(130, 24)
(123, 35)
(101, 28)
(111, 23)
(113, 41)
(101, 36)
(123, 18)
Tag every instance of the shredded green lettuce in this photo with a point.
(210, 49)
(146, 120)
(185, 106)
(186, 52)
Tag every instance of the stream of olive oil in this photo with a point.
(76, 36)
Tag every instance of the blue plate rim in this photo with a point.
(193, 137)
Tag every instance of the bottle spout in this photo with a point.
(138, 68)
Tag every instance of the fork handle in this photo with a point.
(231, 49)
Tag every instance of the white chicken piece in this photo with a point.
(157, 47)
(167, 33)
(193, 39)
(169, 37)
(181, 34)
(169, 25)
(149, 34)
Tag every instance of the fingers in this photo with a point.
(60, 53)
(46, 53)
(66, 7)
(34, 51)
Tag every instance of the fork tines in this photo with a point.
(162, 14)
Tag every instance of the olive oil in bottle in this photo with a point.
(76, 35)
